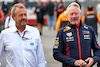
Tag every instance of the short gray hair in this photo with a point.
(74, 4)
(13, 10)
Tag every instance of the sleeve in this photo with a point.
(1, 45)
(40, 54)
(95, 47)
(58, 49)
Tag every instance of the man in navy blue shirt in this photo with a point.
(74, 42)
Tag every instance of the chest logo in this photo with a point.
(67, 28)
(86, 36)
(69, 39)
(31, 43)
(86, 32)
(69, 34)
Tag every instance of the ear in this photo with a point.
(81, 13)
(13, 17)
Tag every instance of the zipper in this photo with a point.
(79, 46)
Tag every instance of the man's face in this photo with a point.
(74, 15)
(39, 3)
(20, 17)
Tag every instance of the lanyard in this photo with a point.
(24, 38)
(20, 35)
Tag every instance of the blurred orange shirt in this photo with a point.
(1, 15)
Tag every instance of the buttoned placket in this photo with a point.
(22, 36)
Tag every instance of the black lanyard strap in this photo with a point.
(20, 35)
(25, 38)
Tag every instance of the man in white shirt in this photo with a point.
(21, 43)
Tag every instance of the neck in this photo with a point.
(77, 25)
(20, 28)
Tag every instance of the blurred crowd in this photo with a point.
(54, 12)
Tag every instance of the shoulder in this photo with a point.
(88, 28)
(66, 28)
(7, 17)
(33, 32)
(32, 29)
(7, 31)
(61, 14)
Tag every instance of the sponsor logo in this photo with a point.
(55, 46)
(86, 36)
(90, 16)
(97, 42)
(67, 28)
(56, 43)
(57, 39)
(69, 34)
(31, 43)
(85, 27)
(69, 39)
(86, 32)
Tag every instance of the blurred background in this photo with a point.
(48, 35)
(31, 5)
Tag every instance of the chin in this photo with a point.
(74, 23)
(24, 24)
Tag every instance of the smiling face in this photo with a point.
(74, 15)
(20, 17)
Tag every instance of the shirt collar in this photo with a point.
(15, 29)
(90, 12)
(74, 25)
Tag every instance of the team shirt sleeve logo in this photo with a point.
(56, 43)
(98, 44)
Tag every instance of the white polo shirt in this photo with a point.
(22, 51)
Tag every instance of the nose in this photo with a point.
(73, 15)
(24, 16)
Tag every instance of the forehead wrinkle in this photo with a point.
(73, 7)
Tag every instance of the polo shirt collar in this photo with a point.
(15, 29)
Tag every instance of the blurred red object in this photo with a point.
(44, 3)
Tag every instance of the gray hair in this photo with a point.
(13, 10)
(74, 4)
